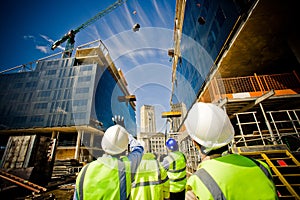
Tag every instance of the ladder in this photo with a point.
(285, 171)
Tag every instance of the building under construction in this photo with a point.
(53, 117)
(241, 55)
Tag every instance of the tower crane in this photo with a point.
(70, 36)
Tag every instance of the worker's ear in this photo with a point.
(196, 145)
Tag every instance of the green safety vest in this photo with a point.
(150, 181)
(177, 171)
(232, 177)
(100, 179)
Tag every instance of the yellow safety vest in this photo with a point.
(232, 177)
(150, 181)
(177, 171)
(100, 179)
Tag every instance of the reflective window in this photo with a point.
(18, 85)
(40, 105)
(81, 102)
(81, 115)
(84, 79)
(86, 68)
(44, 94)
(82, 90)
(20, 119)
(31, 84)
(51, 72)
(38, 118)
(220, 16)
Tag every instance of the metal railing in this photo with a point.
(285, 126)
(259, 84)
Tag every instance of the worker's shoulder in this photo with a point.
(236, 159)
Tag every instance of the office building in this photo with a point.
(70, 99)
(147, 117)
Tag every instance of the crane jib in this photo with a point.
(87, 23)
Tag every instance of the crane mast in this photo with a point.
(70, 36)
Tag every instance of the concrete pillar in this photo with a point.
(91, 151)
(54, 135)
(77, 148)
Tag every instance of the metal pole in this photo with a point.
(268, 125)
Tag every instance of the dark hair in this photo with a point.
(216, 151)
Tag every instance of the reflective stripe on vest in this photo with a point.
(149, 181)
(94, 178)
(177, 171)
(213, 187)
(211, 184)
(265, 171)
(233, 177)
(81, 182)
(146, 183)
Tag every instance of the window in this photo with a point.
(81, 102)
(50, 84)
(79, 115)
(86, 68)
(82, 90)
(31, 84)
(39, 118)
(61, 83)
(20, 119)
(51, 72)
(220, 17)
(84, 79)
(40, 105)
(18, 85)
(44, 94)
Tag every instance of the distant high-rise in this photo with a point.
(148, 119)
(178, 120)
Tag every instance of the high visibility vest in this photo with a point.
(232, 177)
(177, 171)
(100, 179)
(150, 181)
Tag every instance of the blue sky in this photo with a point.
(28, 28)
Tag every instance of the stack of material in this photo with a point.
(65, 168)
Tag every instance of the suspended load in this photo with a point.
(136, 27)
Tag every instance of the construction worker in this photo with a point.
(110, 176)
(227, 176)
(175, 164)
(151, 180)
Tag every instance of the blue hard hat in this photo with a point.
(172, 144)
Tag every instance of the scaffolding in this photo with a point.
(281, 127)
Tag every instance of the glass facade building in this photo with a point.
(58, 93)
(67, 95)
(206, 26)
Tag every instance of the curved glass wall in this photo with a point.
(107, 103)
(206, 26)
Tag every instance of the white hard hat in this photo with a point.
(209, 126)
(115, 140)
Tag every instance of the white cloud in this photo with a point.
(50, 41)
(47, 38)
(29, 37)
(43, 49)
